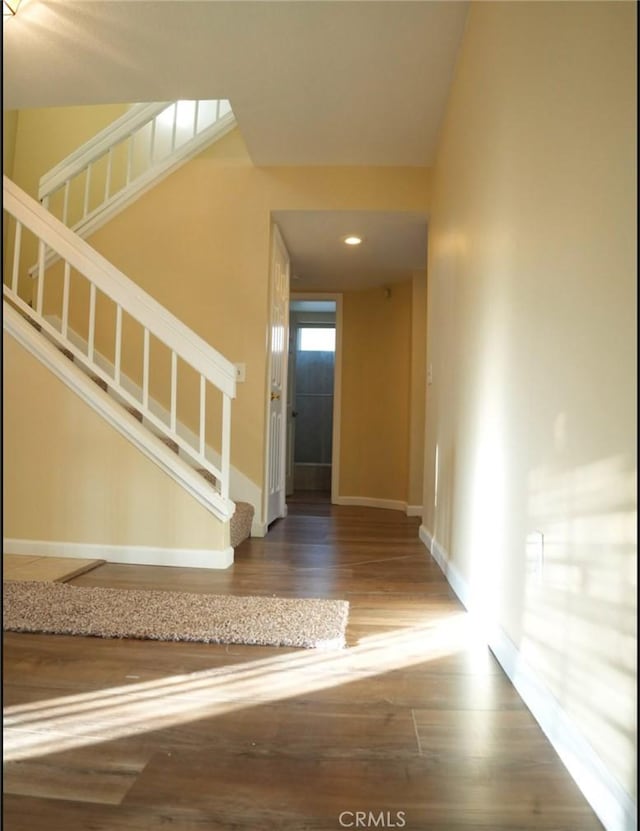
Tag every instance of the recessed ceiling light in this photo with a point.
(352, 239)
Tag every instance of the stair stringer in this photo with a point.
(127, 425)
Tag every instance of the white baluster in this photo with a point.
(217, 109)
(17, 243)
(174, 390)
(41, 258)
(196, 109)
(145, 371)
(203, 392)
(65, 299)
(152, 148)
(65, 202)
(225, 467)
(92, 321)
(174, 127)
(87, 187)
(129, 155)
(118, 355)
(107, 179)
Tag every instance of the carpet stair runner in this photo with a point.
(240, 524)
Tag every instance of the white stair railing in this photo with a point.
(83, 283)
(126, 158)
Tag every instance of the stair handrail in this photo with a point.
(155, 319)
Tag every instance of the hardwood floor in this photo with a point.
(413, 726)
(47, 569)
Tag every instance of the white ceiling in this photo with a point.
(393, 246)
(311, 82)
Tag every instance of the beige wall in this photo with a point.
(71, 477)
(376, 388)
(199, 243)
(44, 137)
(9, 131)
(417, 399)
(532, 337)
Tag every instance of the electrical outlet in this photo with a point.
(241, 372)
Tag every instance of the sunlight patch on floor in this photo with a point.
(39, 728)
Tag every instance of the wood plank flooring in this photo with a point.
(47, 569)
(414, 725)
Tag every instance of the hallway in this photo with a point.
(414, 725)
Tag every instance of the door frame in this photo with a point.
(337, 384)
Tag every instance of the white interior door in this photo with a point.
(278, 353)
(291, 404)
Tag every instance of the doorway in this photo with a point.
(311, 398)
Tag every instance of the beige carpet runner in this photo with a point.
(60, 608)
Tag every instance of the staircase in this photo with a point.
(240, 522)
(77, 320)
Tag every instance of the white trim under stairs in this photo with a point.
(152, 446)
(115, 414)
(241, 487)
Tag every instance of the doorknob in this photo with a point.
(275, 396)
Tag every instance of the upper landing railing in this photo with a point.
(129, 156)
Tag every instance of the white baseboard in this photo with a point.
(258, 528)
(613, 805)
(371, 502)
(454, 578)
(142, 555)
